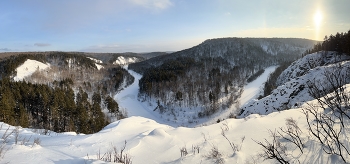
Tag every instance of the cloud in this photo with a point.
(59, 16)
(42, 44)
(5, 49)
(153, 4)
(106, 46)
(139, 47)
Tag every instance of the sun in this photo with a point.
(318, 19)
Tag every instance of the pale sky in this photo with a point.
(160, 25)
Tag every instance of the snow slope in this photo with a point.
(28, 68)
(99, 66)
(97, 63)
(151, 142)
(95, 60)
(293, 92)
(310, 61)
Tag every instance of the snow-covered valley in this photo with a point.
(128, 100)
(147, 136)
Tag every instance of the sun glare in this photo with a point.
(318, 19)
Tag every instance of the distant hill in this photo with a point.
(233, 49)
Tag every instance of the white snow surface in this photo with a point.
(252, 89)
(121, 60)
(99, 66)
(151, 142)
(28, 68)
(127, 99)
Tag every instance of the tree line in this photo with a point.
(54, 108)
(339, 42)
(181, 82)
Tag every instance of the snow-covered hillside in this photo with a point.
(95, 60)
(97, 63)
(303, 65)
(292, 89)
(121, 60)
(28, 68)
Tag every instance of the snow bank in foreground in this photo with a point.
(28, 68)
(151, 142)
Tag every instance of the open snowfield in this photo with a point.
(28, 68)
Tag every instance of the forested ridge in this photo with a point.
(69, 96)
(53, 108)
(211, 76)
